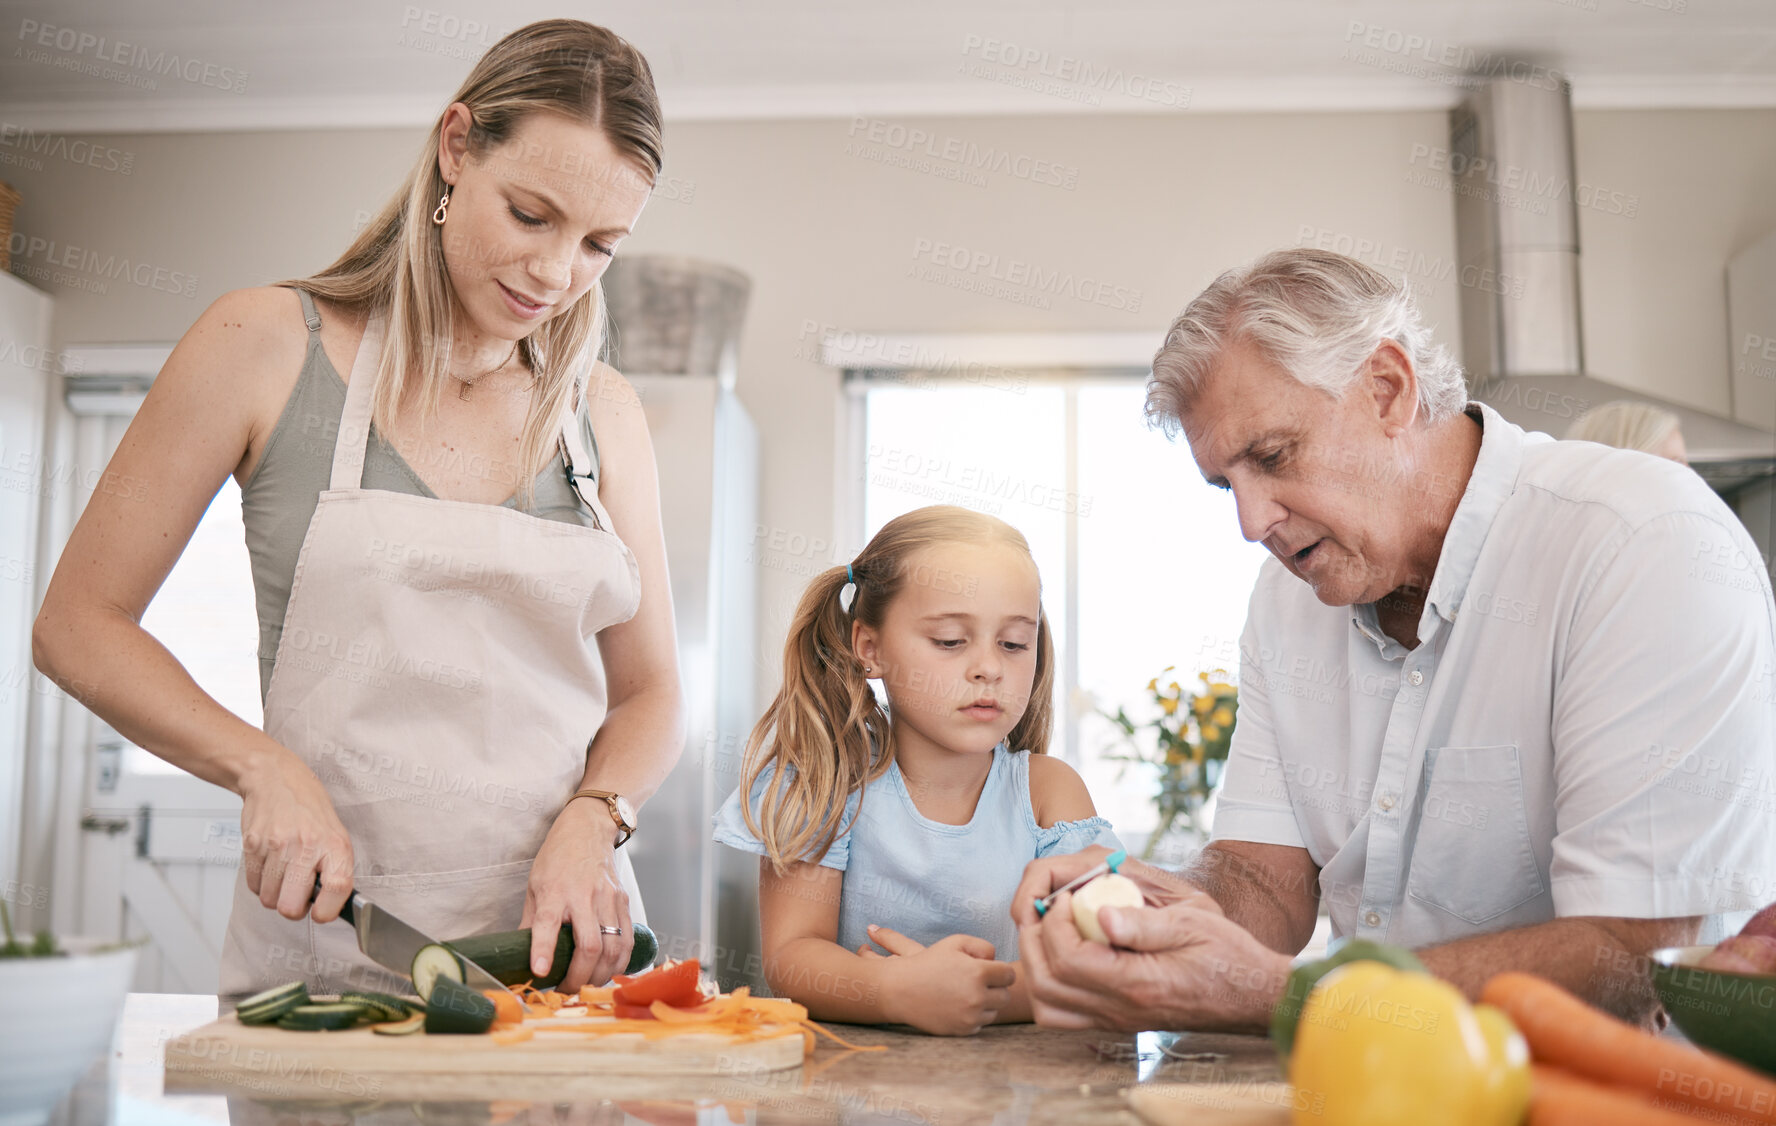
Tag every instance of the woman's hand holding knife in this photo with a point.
(290, 835)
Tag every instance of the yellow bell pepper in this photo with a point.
(1377, 1046)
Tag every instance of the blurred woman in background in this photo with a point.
(1628, 425)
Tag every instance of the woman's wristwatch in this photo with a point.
(620, 810)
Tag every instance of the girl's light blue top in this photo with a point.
(926, 879)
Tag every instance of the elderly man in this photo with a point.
(1504, 700)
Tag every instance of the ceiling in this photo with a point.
(148, 65)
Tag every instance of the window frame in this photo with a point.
(853, 472)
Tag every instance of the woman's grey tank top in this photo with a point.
(278, 501)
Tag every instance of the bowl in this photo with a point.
(1732, 1014)
(56, 1016)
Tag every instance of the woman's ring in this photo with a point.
(610, 930)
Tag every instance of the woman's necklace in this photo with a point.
(470, 382)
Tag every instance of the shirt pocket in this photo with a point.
(1472, 856)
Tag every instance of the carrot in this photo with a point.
(702, 1014)
(506, 1007)
(1566, 1032)
(1560, 1098)
(504, 1110)
(829, 1034)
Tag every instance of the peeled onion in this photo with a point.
(1108, 890)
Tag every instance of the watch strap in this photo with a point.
(609, 798)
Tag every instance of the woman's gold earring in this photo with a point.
(438, 215)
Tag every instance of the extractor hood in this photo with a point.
(1517, 237)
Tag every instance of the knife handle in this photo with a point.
(345, 909)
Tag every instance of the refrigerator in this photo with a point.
(675, 327)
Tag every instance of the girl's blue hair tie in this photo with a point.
(848, 592)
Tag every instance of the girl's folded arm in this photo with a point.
(1057, 793)
(799, 918)
(1018, 1011)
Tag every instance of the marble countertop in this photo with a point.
(1007, 1075)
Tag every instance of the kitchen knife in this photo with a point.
(390, 942)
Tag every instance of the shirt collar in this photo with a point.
(1493, 479)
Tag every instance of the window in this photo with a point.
(1142, 562)
(205, 615)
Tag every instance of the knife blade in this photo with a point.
(391, 942)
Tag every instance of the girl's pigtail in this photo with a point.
(824, 735)
(1033, 730)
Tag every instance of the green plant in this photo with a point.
(42, 946)
(1186, 741)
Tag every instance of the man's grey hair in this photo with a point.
(1318, 315)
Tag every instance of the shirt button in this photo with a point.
(1417, 678)
(1386, 803)
(1372, 920)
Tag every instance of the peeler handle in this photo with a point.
(1111, 863)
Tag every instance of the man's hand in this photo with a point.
(1159, 887)
(1179, 966)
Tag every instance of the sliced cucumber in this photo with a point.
(435, 961)
(328, 1016)
(403, 1027)
(454, 1007)
(506, 955)
(383, 1006)
(263, 1008)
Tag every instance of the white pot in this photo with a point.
(56, 1016)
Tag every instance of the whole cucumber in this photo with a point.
(506, 955)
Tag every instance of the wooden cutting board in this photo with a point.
(1212, 1104)
(226, 1054)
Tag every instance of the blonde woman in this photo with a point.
(1629, 425)
(891, 839)
(454, 528)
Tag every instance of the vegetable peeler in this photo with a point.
(1111, 863)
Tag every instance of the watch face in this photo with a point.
(626, 812)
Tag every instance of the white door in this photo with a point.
(153, 849)
(27, 372)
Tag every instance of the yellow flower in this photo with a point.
(1222, 688)
(1224, 716)
(1211, 732)
(1196, 754)
(1203, 705)
(1203, 676)
(1168, 705)
(1174, 756)
(1153, 685)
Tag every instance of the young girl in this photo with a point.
(907, 828)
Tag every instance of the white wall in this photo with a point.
(1157, 207)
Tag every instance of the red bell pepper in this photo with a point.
(677, 985)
